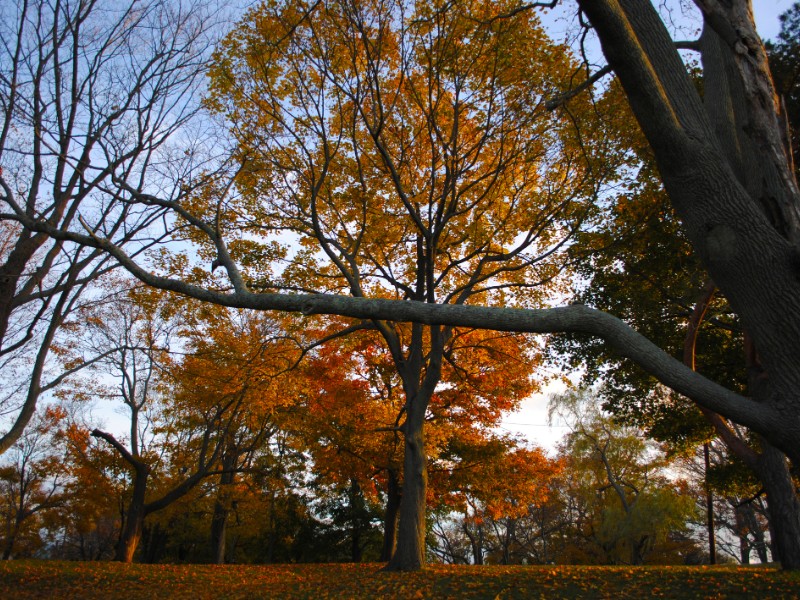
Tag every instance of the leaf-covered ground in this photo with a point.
(33, 579)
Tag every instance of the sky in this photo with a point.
(530, 421)
(766, 13)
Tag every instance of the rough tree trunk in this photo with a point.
(410, 552)
(134, 520)
(782, 505)
(418, 385)
(747, 242)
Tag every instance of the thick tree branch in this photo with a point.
(137, 464)
(570, 319)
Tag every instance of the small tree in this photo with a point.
(632, 507)
(32, 478)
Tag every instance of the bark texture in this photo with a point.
(746, 241)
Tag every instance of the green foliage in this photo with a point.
(620, 484)
(638, 265)
(784, 62)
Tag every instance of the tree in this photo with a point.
(489, 482)
(91, 98)
(638, 265)
(31, 486)
(91, 521)
(713, 192)
(632, 507)
(739, 504)
(188, 418)
(785, 68)
(350, 406)
(408, 164)
(744, 235)
(238, 361)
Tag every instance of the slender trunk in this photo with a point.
(475, 542)
(689, 345)
(356, 516)
(639, 550)
(154, 541)
(271, 528)
(712, 542)
(511, 527)
(759, 543)
(478, 547)
(741, 532)
(219, 521)
(392, 511)
(782, 505)
(219, 524)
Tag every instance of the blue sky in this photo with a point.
(766, 13)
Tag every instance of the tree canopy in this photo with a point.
(431, 160)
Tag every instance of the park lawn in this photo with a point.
(55, 579)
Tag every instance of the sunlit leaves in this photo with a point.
(407, 144)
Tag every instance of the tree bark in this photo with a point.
(421, 374)
(134, 520)
(410, 552)
(782, 505)
(219, 520)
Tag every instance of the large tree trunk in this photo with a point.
(748, 244)
(410, 552)
(782, 505)
(390, 515)
(134, 520)
(419, 382)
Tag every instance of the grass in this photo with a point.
(53, 579)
